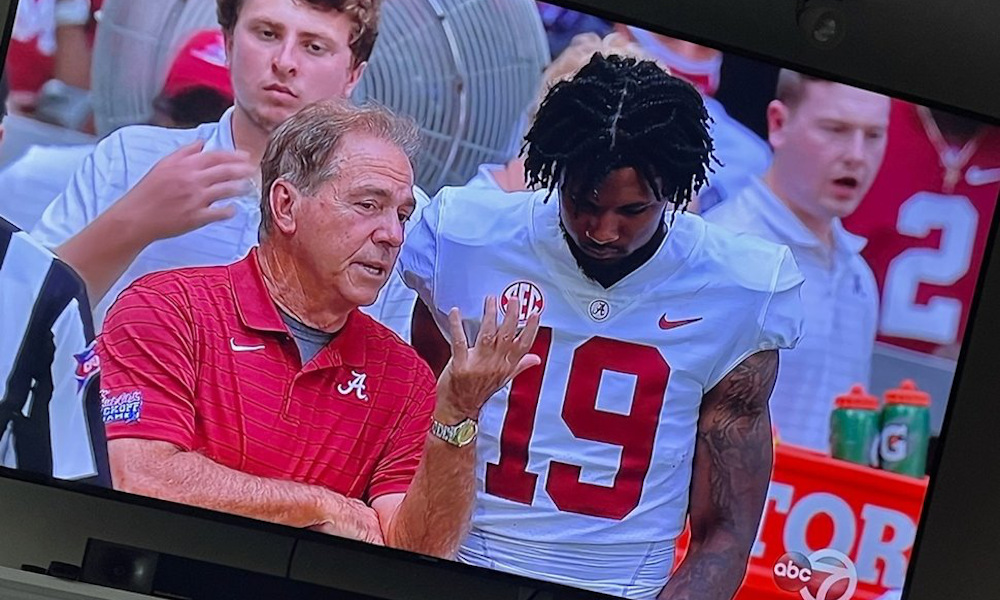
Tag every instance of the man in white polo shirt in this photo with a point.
(151, 198)
(829, 140)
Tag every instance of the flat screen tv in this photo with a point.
(858, 139)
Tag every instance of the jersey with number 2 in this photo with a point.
(926, 241)
(594, 447)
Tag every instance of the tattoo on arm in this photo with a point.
(732, 466)
(738, 436)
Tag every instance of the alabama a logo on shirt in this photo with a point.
(355, 386)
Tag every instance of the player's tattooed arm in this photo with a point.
(732, 467)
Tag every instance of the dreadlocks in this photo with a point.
(619, 112)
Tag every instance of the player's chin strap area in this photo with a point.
(599, 242)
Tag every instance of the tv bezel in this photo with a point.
(941, 54)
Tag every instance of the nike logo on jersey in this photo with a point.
(977, 176)
(238, 348)
(665, 324)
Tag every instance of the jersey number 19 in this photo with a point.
(634, 432)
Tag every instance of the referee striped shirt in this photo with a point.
(50, 412)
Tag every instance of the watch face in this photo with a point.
(466, 432)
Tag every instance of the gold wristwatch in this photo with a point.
(460, 434)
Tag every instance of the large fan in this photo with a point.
(463, 69)
(136, 39)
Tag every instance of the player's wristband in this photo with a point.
(72, 12)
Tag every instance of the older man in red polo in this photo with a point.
(259, 389)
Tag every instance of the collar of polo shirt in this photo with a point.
(780, 219)
(257, 311)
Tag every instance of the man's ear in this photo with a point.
(227, 40)
(282, 198)
(352, 82)
(778, 114)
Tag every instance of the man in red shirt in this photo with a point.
(258, 388)
(927, 219)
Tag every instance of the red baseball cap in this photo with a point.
(201, 62)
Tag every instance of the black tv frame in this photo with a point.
(939, 53)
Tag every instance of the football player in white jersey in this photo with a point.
(658, 342)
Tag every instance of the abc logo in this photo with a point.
(823, 575)
(792, 572)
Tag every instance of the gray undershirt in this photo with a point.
(310, 341)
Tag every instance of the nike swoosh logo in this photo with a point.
(977, 176)
(237, 348)
(665, 324)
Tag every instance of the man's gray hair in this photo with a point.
(304, 149)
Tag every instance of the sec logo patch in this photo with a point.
(528, 294)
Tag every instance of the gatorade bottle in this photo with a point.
(854, 427)
(906, 429)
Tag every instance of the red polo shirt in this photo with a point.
(200, 358)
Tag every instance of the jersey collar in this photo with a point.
(684, 234)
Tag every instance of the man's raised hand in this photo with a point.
(179, 193)
(499, 354)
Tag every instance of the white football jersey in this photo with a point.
(584, 463)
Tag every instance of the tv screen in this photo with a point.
(736, 290)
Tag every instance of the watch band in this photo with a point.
(459, 435)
